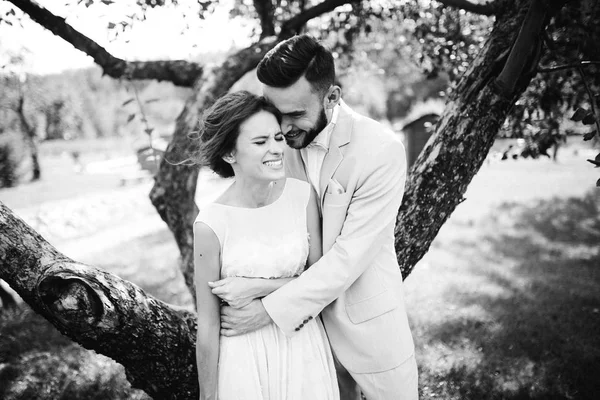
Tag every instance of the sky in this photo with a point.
(159, 37)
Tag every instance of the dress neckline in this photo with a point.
(285, 186)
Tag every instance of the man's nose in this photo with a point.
(286, 125)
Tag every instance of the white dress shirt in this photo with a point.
(314, 154)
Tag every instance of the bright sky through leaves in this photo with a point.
(162, 36)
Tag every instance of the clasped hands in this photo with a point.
(244, 311)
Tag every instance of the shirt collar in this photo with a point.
(323, 139)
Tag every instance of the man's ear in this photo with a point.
(333, 97)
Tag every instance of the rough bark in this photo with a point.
(464, 134)
(153, 341)
(179, 72)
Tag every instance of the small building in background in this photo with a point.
(417, 127)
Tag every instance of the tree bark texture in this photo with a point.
(464, 134)
(153, 341)
(175, 183)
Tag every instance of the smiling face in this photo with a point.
(302, 109)
(258, 152)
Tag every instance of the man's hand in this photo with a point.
(238, 292)
(238, 321)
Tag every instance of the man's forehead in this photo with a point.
(288, 99)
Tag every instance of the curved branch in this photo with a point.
(179, 72)
(568, 66)
(523, 48)
(488, 9)
(525, 51)
(289, 27)
(153, 341)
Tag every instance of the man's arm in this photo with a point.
(373, 208)
(237, 321)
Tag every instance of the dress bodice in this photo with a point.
(266, 242)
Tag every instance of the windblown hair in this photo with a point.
(296, 57)
(220, 127)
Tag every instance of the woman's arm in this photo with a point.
(207, 267)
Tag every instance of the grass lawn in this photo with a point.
(505, 305)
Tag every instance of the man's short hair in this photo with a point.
(296, 57)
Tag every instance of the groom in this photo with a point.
(358, 169)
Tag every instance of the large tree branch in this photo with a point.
(179, 72)
(153, 341)
(292, 25)
(488, 9)
(461, 141)
(525, 50)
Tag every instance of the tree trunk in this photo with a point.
(153, 341)
(30, 138)
(175, 184)
(463, 136)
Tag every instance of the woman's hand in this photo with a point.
(236, 291)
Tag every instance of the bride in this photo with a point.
(259, 229)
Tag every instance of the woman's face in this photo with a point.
(259, 148)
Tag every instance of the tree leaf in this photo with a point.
(107, 2)
(589, 135)
(596, 161)
(151, 101)
(589, 119)
(130, 118)
(127, 102)
(111, 25)
(580, 113)
(149, 131)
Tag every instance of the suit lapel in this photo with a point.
(339, 138)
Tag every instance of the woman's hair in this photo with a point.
(220, 127)
(296, 57)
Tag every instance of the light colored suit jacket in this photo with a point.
(357, 284)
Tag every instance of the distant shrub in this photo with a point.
(9, 162)
(14, 160)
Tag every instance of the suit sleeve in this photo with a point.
(371, 214)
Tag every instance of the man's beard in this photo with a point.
(312, 133)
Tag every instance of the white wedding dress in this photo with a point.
(270, 242)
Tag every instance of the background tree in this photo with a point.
(92, 307)
(18, 124)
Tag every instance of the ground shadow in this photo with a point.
(538, 333)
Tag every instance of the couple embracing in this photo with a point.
(297, 281)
